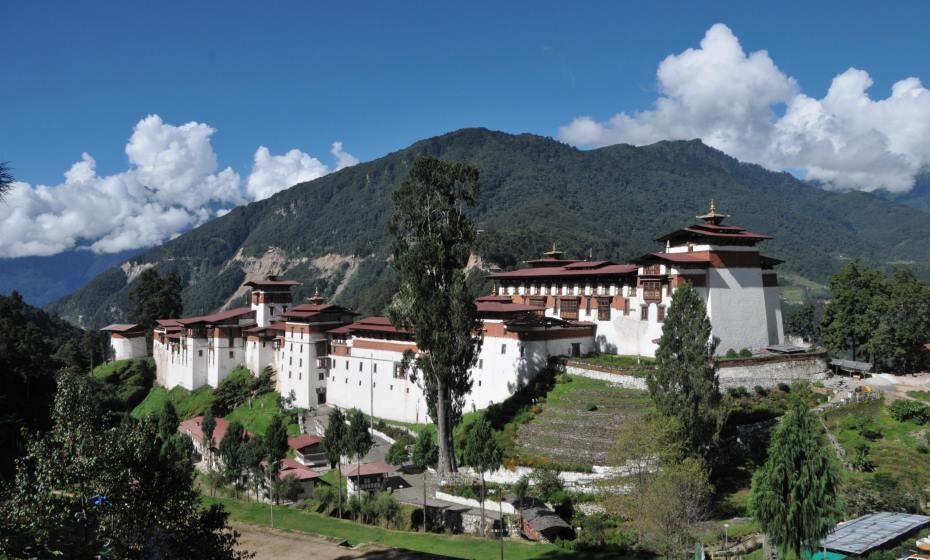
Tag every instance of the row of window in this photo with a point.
(566, 290)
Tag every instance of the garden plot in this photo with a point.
(578, 423)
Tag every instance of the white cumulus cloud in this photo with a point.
(744, 105)
(173, 183)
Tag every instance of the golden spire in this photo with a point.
(317, 297)
(555, 253)
(712, 216)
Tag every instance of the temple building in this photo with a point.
(629, 302)
(322, 353)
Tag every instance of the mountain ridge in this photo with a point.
(611, 202)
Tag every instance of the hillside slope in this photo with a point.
(331, 233)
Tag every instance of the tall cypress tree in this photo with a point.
(358, 443)
(433, 238)
(794, 494)
(334, 444)
(684, 383)
(482, 453)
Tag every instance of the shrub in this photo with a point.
(731, 353)
(745, 353)
(547, 483)
(904, 411)
(870, 430)
(386, 509)
(862, 460)
(590, 407)
(784, 387)
(760, 390)
(397, 454)
(562, 505)
(737, 392)
(537, 409)
(922, 449)
(325, 497)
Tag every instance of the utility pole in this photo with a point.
(424, 500)
(500, 513)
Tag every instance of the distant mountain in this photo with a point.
(612, 202)
(41, 280)
(918, 197)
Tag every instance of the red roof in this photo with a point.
(502, 307)
(271, 283)
(377, 467)
(194, 428)
(609, 269)
(677, 257)
(371, 324)
(290, 467)
(122, 327)
(218, 317)
(715, 232)
(303, 440)
(167, 322)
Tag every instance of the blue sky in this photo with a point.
(378, 76)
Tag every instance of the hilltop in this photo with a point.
(612, 202)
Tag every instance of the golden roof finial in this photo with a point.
(712, 216)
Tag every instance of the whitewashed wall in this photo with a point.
(123, 348)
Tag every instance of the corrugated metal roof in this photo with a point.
(852, 365)
(872, 531)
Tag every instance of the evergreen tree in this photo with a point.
(802, 321)
(6, 179)
(684, 383)
(275, 446)
(253, 452)
(335, 446)
(433, 238)
(482, 453)
(851, 315)
(231, 454)
(94, 488)
(359, 442)
(794, 495)
(167, 421)
(208, 426)
(155, 297)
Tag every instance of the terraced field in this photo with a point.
(568, 433)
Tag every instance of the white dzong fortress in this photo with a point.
(323, 353)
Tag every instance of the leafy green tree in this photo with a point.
(231, 454)
(335, 445)
(672, 504)
(91, 487)
(547, 482)
(802, 321)
(851, 315)
(794, 495)
(253, 453)
(433, 239)
(684, 384)
(359, 441)
(27, 379)
(167, 421)
(398, 454)
(903, 314)
(482, 453)
(425, 452)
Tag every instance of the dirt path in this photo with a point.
(269, 544)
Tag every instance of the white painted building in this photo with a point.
(367, 356)
(628, 302)
(126, 341)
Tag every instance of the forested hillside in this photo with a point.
(611, 202)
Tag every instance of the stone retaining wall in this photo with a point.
(764, 371)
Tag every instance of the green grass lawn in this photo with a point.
(106, 370)
(898, 451)
(452, 546)
(567, 433)
(920, 395)
(616, 361)
(187, 403)
(255, 415)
